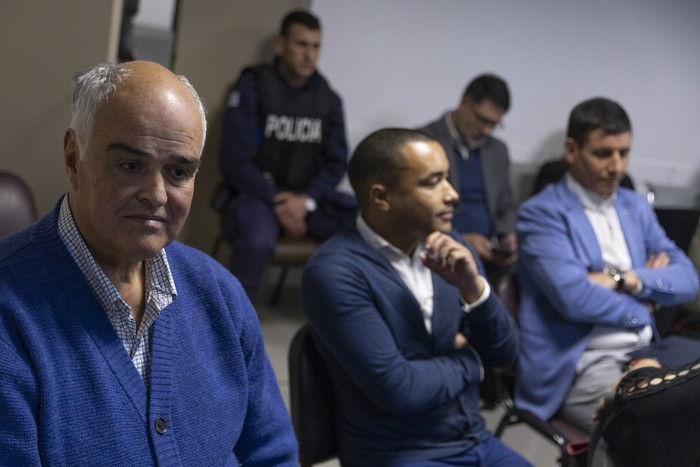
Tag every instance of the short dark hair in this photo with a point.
(379, 158)
(302, 17)
(595, 113)
(491, 87)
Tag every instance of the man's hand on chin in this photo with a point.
(454, 263)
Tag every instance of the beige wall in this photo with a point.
(44, 44)
(214, 40)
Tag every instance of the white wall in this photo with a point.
(403, 62)
(155, 14)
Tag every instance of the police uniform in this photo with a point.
(280, 138)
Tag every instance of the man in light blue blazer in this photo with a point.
(594, 265)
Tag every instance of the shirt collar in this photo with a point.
(379, 243)
(159, 279)
(456, 139)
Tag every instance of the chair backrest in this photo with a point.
(17, 209)
(311, 400)
(498, 384)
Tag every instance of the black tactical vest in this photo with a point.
(294, 127)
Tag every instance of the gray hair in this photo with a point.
(96, 86)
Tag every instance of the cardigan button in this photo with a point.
(161, 426)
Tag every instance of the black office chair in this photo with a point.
(311, 400)
(17, 208)
(570, 440)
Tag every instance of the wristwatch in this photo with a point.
(619, 278)
(310, 204)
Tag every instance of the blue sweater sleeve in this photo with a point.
(267, 437)
(18, 400)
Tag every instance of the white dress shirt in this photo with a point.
(413, 272)
(603, 217)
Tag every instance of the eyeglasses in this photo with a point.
(485, 122)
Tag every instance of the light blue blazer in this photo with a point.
(559, 307)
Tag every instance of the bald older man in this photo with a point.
(118, 345)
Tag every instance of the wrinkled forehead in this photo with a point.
(161, 111)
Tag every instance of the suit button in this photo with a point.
(161, 426)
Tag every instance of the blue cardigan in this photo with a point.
(402, 394)
(70, 394)
(559, 306)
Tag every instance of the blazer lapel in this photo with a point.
(582, 233)
(446, 316)
(631, 231)
(415, 314)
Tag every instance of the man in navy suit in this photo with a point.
(403, 315)
(594, 264)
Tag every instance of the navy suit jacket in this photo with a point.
(401, 392)
(559, 306)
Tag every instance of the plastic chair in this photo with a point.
(17, 208)
(570, 440)
(311, 400)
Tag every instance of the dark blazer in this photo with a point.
(495, 172)
(559, 306)
(401, 392)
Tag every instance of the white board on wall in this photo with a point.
(404, 62)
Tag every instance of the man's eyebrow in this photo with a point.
(193, 162)
(127, 148)
(429, 178)
(435, 173)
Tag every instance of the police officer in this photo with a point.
(283, 153)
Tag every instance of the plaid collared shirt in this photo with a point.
(160, 292)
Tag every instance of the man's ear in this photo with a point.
(379, 197)
(71, 156)
(570, 150)
(279, 45)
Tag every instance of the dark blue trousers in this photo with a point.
(250, 227)
(489, 453)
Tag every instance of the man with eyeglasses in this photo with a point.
(480, 172)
